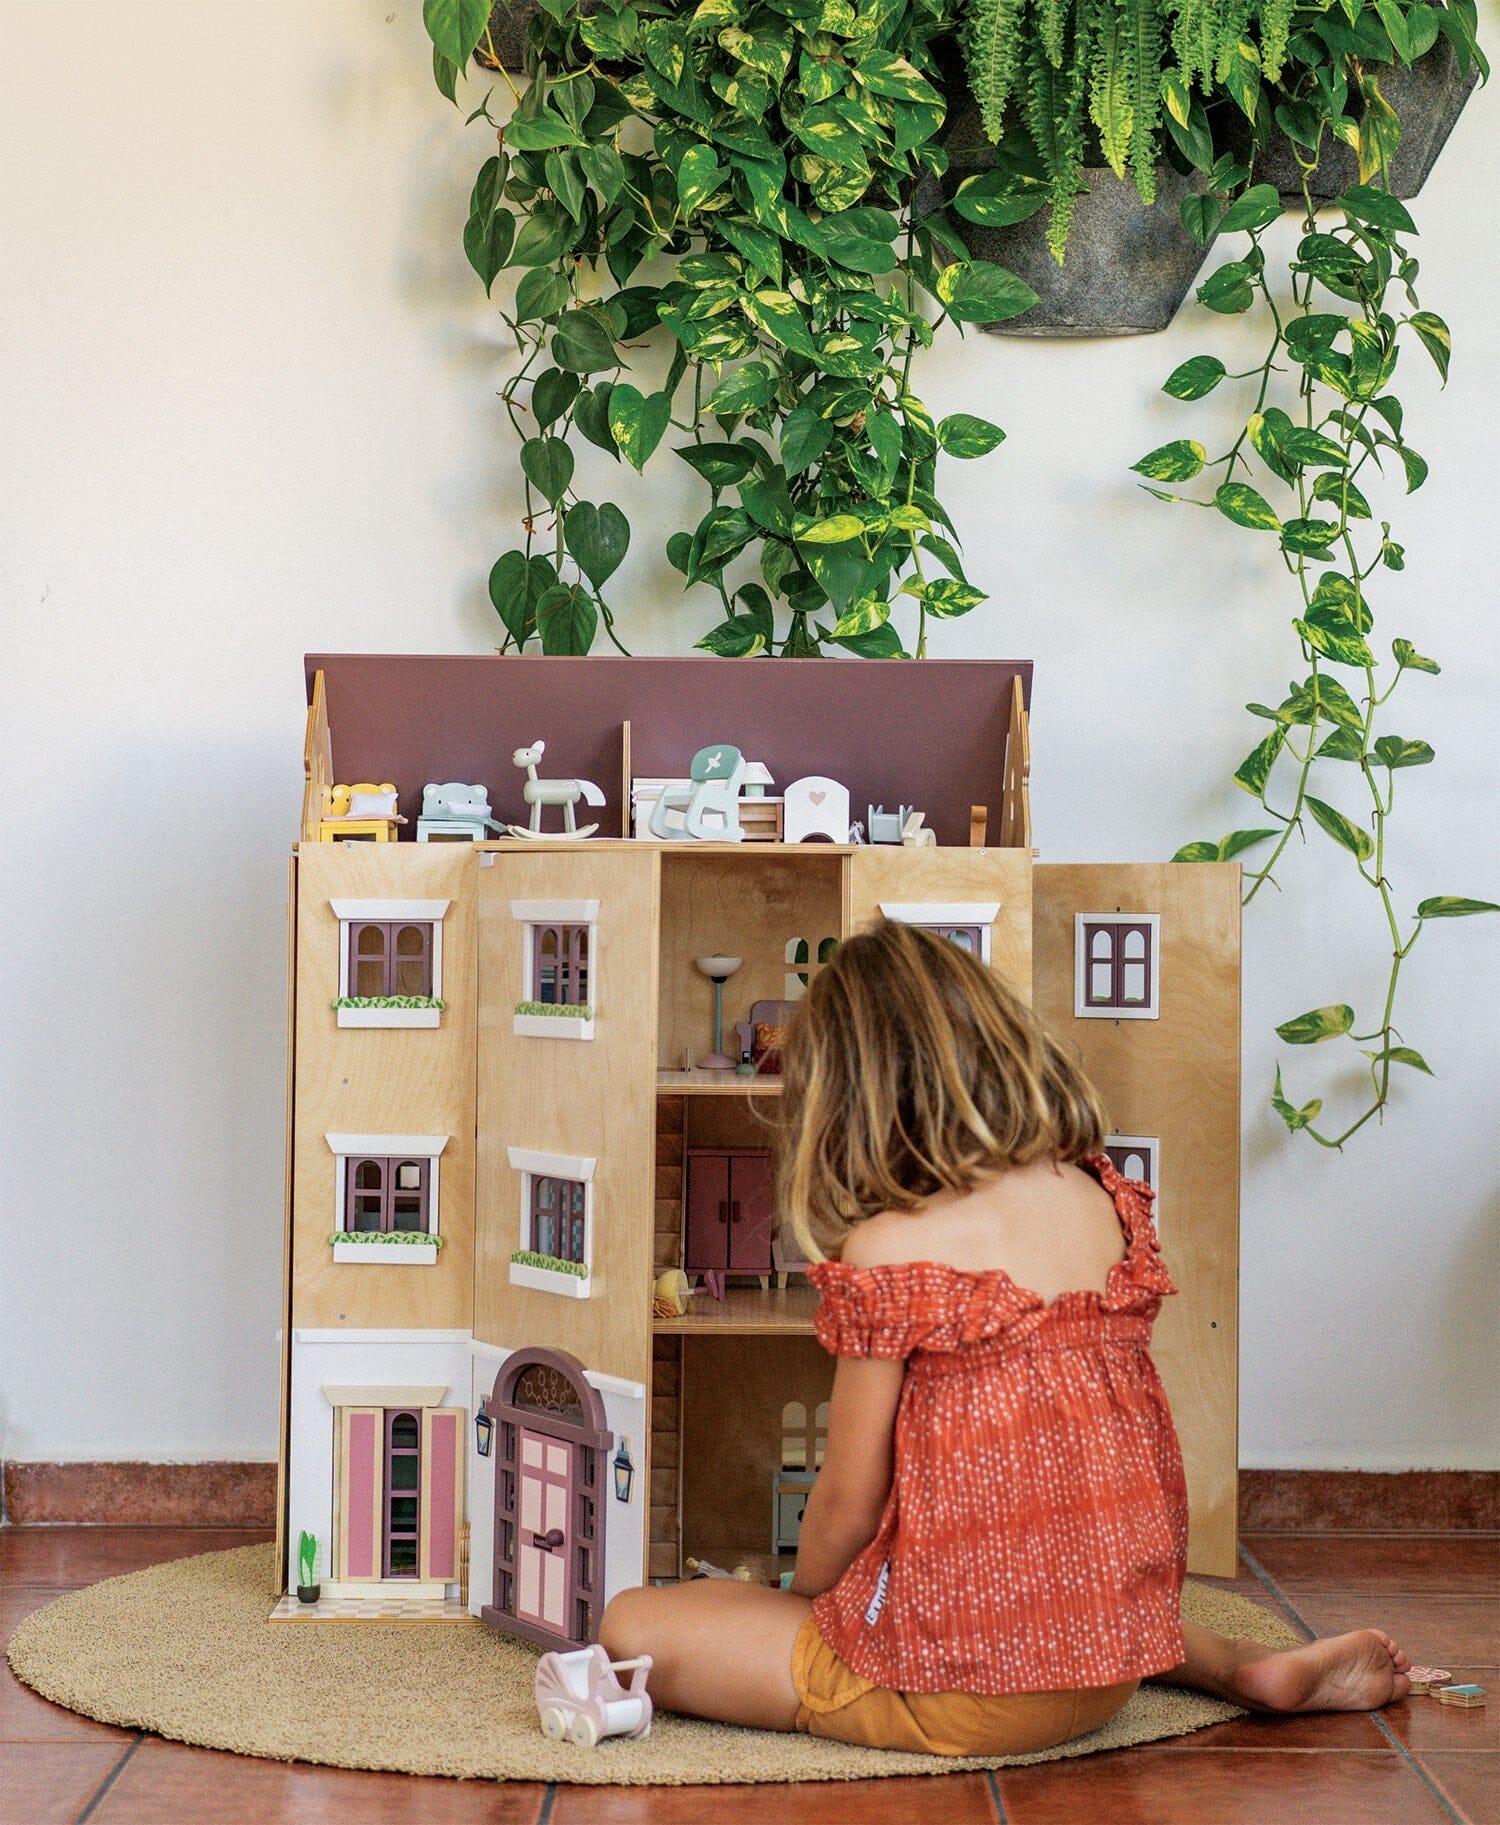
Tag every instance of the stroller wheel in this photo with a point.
(554, 1724)
(583, 1732)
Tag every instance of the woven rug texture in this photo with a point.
(184, 1650)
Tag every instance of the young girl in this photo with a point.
(992, 1556)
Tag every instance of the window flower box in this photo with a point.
(554, 1020)
(388, 1010)
(388, 1248)
(549, 1274)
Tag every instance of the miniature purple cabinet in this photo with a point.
(729, 1202)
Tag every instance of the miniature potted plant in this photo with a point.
(308, 1587)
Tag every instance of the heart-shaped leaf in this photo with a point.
(548, 465)
(638, 421)
(598, 538)
(1319, 1024)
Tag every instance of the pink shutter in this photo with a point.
(442, 1492)
(360, 1453)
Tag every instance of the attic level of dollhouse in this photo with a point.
(546, 1335)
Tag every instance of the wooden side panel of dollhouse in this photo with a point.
(279, 1580)
(384, 1091)
(572, 1110)
(954, 886)
(1171, 1088)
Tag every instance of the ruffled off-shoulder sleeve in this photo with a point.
(896, 1310)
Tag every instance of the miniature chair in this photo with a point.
(363, 813)
(456, 810)
(716, 774)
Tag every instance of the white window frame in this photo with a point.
(1081, 1009)
(1150, 1146)
(412, 912)
(427, 1147)
(531, 1163)
(982, 913)
(529, 913)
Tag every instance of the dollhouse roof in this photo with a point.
(930, 735)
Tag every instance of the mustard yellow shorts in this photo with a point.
(838, 1702)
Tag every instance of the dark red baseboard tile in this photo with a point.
(140, 1495)
(1369, 1501)
(244, 1495)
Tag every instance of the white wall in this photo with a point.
(249, 411)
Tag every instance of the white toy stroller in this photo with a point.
(579, 1697)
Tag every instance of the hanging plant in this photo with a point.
(1322, 445)
(741, 176)
(1060, 84)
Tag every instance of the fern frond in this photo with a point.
(1275, 27)
(992, 54)
(1052, 28)
(1109, 79)
(1234, 23)
(1054, 115)
(1145, 31)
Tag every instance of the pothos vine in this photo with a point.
(1324, 427)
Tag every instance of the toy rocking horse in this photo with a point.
(540, 792)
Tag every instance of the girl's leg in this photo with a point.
(720, 1648)
(1357, 1672)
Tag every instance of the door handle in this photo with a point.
(548, 1542)
(734, 1211)
(723, 1210)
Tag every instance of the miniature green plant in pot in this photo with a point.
(738, 175)
(307, 1567)
(1308, 470)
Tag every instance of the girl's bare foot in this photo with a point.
(1357, 1672)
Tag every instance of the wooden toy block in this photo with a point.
(1465, 1697)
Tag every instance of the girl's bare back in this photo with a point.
(1051, 1227)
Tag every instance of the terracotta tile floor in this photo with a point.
(1418, 1763)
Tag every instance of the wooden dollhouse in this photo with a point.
(499, 1133)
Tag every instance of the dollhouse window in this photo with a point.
(387, 1193)
(560, 965)
(802, 1445)
(966, 923)
(798, 954)
(403, 1475)
(386, 1184)
(390, 962)
(557, 1218)
(1116, 958)
(559, 986)
(1136, 1156)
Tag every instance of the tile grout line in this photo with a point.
(109, 1780)
(997, 1799)
(1403, 1750)
(549, 1798)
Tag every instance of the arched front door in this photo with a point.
(551, 1453)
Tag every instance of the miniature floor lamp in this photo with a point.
(718, 970)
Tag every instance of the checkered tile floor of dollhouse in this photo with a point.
(356, 1609)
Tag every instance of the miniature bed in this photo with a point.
(500, 1132)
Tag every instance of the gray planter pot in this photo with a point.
(1428, 98)
(508, 22)
(1128, 267)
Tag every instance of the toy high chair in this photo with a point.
(579, 1697)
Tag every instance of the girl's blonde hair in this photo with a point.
(910, 1070)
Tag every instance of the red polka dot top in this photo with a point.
(1035, 1538)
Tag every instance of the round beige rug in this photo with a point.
(185, 1650)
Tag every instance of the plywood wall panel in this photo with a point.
(886, 873)
(1178, 1078)
(595, 1098)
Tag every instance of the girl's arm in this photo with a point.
(843, 1511)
